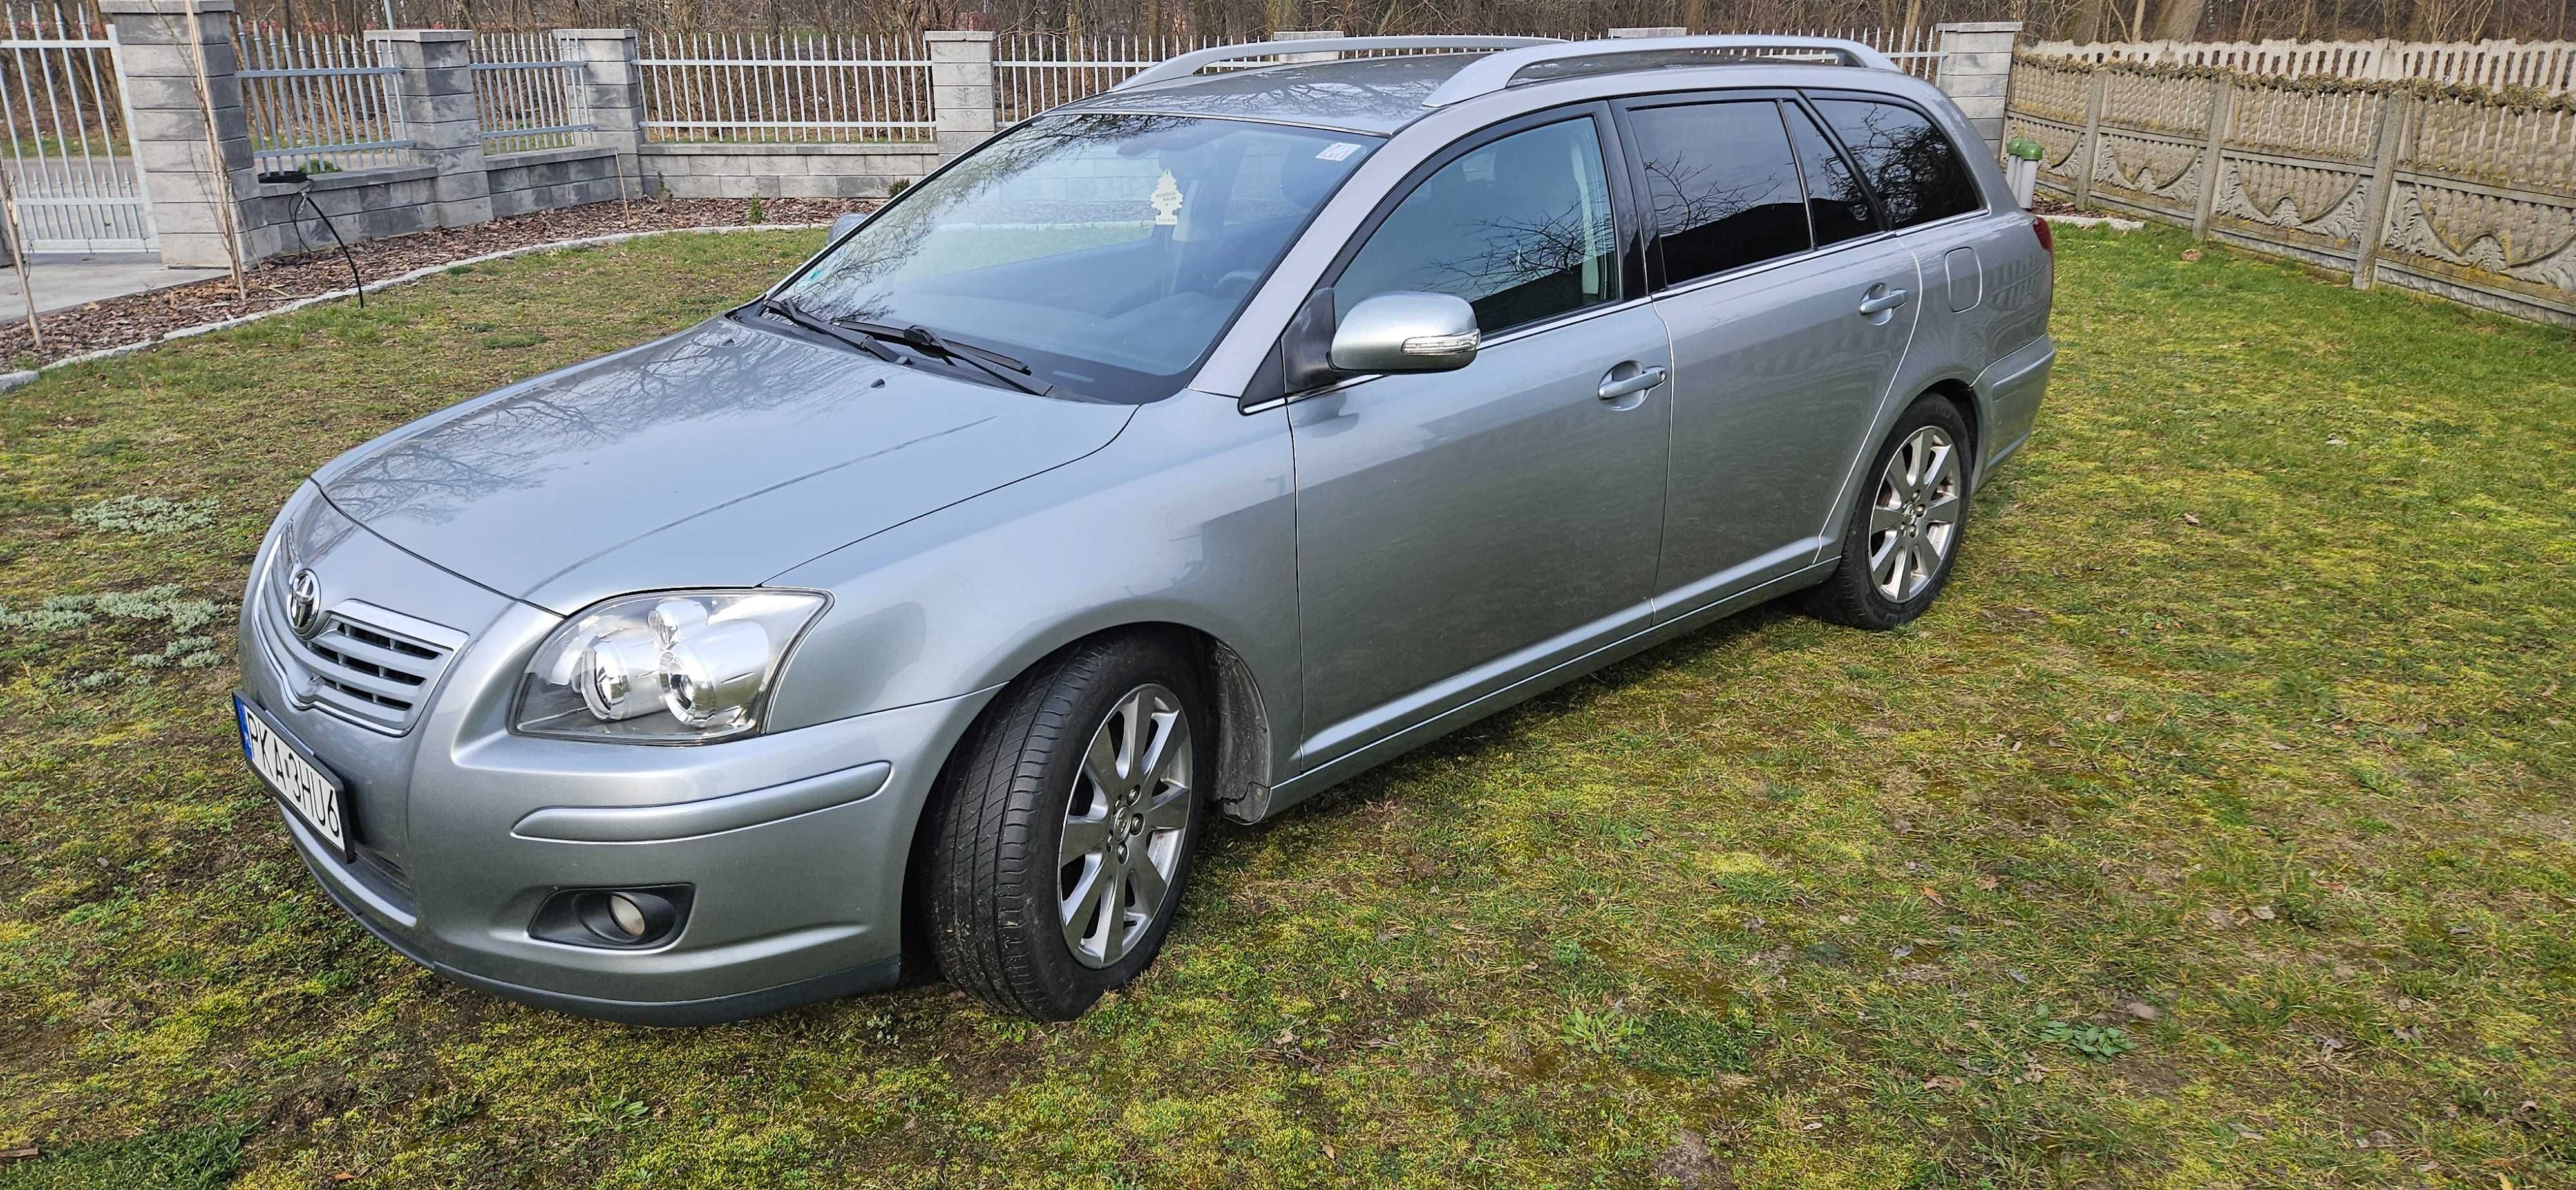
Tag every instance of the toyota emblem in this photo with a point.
(304, 603)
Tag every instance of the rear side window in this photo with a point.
(1724, 186)
(1906, 159)
(1837, 207)
(1521, 228)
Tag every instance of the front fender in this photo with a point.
(1187, 518)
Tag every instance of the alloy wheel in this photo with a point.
(1124, 826)
(1914, 522)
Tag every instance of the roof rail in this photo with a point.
(1191, 63)
(1494, 72)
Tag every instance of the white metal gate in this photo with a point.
(70, 149)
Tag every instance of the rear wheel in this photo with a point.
(1904, 534)
(1057, 855)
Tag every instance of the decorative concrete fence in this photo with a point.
(2529, 65)
(2457, 193)
(402, 130)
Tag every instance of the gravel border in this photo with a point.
(24, 376)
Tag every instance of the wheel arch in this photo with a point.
(1963, 397)
(1241, 790)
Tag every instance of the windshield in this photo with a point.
(1106, 252)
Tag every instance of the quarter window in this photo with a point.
(1521, 228)
(1724, 186)
(1912, 166)
(1836, 205)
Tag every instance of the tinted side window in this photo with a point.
(1724, 186)
(1836, 205)
(1520, 228)
(1912, 166)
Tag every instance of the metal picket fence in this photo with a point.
(318, 101)
(1915, 51)
(753, 87)
(527, 93)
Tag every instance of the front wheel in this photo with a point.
(1904, 534)
(1058, 851)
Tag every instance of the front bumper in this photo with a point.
(798, 884)
(793, 844)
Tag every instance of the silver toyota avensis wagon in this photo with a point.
(1179, 452)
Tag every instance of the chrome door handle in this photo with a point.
(1883, 299)
(1612, 390)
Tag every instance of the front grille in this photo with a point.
(369, 673)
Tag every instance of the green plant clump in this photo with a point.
(148, 516)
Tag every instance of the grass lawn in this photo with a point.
(2218, 827)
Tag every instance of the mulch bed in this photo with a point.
(144, 316)
(2042, 204)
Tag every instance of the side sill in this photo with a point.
(1359, 760)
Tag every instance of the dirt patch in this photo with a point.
(144, 316)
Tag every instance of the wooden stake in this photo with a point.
(18, 256)
(226, 200)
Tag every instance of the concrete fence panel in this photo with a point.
(2469, 196)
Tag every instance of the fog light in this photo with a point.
(614, 919)
(629, 918)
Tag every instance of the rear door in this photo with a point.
(1985, 278)
(1789, 307)
(1457, 531)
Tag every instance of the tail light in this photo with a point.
(2047, 241)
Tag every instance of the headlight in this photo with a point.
(681, 667)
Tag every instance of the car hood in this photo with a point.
(720, 456)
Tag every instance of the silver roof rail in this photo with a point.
(1492, 73)
(1196, 60)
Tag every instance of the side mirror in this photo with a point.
(1406, 332)
(842, 226)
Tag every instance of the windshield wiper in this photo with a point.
(782, 308)
(926, 341)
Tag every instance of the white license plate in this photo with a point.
(316, 797)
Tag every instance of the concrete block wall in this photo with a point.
(688, 170)
(543, 179)
(367, 204)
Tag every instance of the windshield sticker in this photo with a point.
(1337, 150)
(1166, 201)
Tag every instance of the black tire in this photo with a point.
(1851, 595)
(992, 894)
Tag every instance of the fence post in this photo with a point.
(2092, 142)
(961, 88)
(434, 109)
(168, 125)
(608, 93)
(2394, 112)
(2222, 100)
(1976, 73)
(1305, 35)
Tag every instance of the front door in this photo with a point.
(1460, 530)
(1789, 308)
